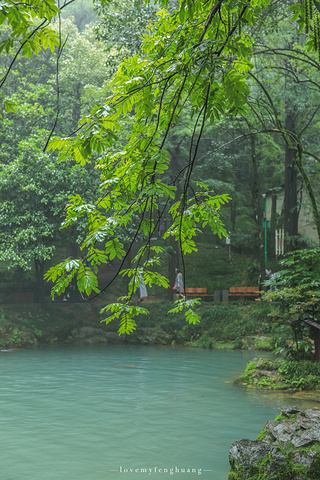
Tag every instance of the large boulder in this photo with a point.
(287, 448)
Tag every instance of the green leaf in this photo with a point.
(10, 106)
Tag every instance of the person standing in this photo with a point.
(261, 283)
(142, 289)
(178, 286)
(273, 288)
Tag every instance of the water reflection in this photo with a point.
(302, 400)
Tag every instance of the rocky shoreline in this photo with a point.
(280, 374)
(287, 448)
(80, 323)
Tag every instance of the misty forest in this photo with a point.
(159, 239)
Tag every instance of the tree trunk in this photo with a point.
(233, 215)
(39, 270)
(290, 183)
(313, 201)
(273, 223)
(257, 207)
(273, 220)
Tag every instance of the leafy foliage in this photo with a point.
(126, 314)
(134, 18)
(281, 374)
(302, 375)
(297, 284)
(296, 288)
(34, 188)
(33, 193)
(193, 56)
(192, 68)
(30, 24)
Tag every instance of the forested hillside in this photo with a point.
(153, 131)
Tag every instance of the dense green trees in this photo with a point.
(34, 187)
(274, 142)
(286, 75)
(199, 80)
(33, 193)
(195, 56)
(296, 290)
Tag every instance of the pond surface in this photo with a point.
(124, 413)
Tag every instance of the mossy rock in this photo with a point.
(287, 448)
(280, 374)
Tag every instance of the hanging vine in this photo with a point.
(310, 16)
(316, 33)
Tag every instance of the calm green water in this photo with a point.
(95, 413)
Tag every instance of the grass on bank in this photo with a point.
(281, 374)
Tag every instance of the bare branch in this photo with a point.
(59, 53)
(4, 78)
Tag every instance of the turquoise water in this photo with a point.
(124, 413)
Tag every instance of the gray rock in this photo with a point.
(302, 430)
(245, 455)
(289, 448)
